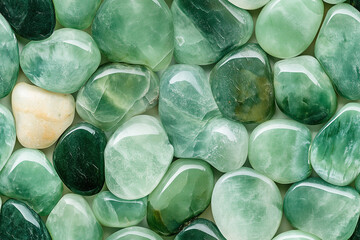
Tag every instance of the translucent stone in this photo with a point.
(249, 4)
(7, 136)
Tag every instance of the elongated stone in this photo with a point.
(296, 235)
(242, 85)
(194, 123)
(134, 233)
(334, 152)
(19, 222)
(41, 116)
(249, 4)
(248, 199)
(205, 30)
(303, 90)
(137, 156)
(29, 176)
(112, 211)
(136, 33)
(79, 159)
(182, 194)
(313, 206)
(31, 19)
(7, 136)
(285, 28)
(200, 229)
(115, 93)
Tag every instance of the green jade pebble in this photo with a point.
(327, 211)
(206, 30)
(295, 235)
(29, 176)
(285, 28)
(134, 233)
(7, 135)
(115, 93)
(242, 85)
(61, 63)
(183, 193)
(200, 229)
(249, 4)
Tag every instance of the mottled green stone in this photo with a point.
(63, 62)
(296, 235)
(182, 194)
(242, 85)
(28, 176)
(325, 210)
(7, 135)
(205, 30)
(249, 4)
(134, 233)
(246, 205)
(200, 229)
(115, 93)
(303, 91)
(112, 211)
(334, 152)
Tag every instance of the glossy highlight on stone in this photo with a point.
(134, 233)
(296, 235)
(200, 229)
(7, 135)
(249, 4)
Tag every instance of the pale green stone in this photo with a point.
(61, 63)
(285, 28)
(249, 4)
(137, 156)
(246, 205)
(134, 233)
(7, 134)
(72, 219)
(334, 1)
(296, 235)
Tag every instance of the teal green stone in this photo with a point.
(135, 32)
(134, 233)
(285, 28)
(303, 91)
(19, 222)
(279, 150)
(334, 152)
(61, 63)
(325, 210)
(246, 205)
(29, 176)
(7, 135)
(112, 211)
(115, 93)
(194, 123)
(9, 58)
(182, 194)
(242, 85)
(206, 30)
(337, 50)
(296, 235)
(200, 229)
(72, 219)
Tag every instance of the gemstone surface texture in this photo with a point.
(296, 235)
(7, 135)
(134, 233)
(200, 229)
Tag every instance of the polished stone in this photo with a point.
(285, 28)
(115, 93)
(134, 233)
(249, 4)
(7, 136)
(296, 235)
(242, 85)
(206, 30)
(79, 158)
(200, 229)
(183, 193)
(325, 210)
(246, 205)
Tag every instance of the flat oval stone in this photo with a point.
(7, 136)
(115, 93)
(79, 159)
(200, 229)
(194, 123)
(337, 52)
(249, 4)
(334, 152)
(296, 235)
(182, 194)
(242, 85)
(248, 199)
(136, 33)
(285, 28)
(112, 211)
(72, 218)
(206, 30)
(19, 222)
(29, 176)
(313, 206)
(137, 156)
(134, 233)
(31, 19)
(303, 90)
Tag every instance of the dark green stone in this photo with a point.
(200, 229)
(19, 222)
(79, 159)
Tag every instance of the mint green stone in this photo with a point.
(72, 219)
(325, 210)
(61, 63)
(246, 205)
(285, 28)
(7, 134)
(134, 233)
(296, 235)
(115, 93)
(279, 150)
(334, 153)
(29, 176)
(112, 211)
